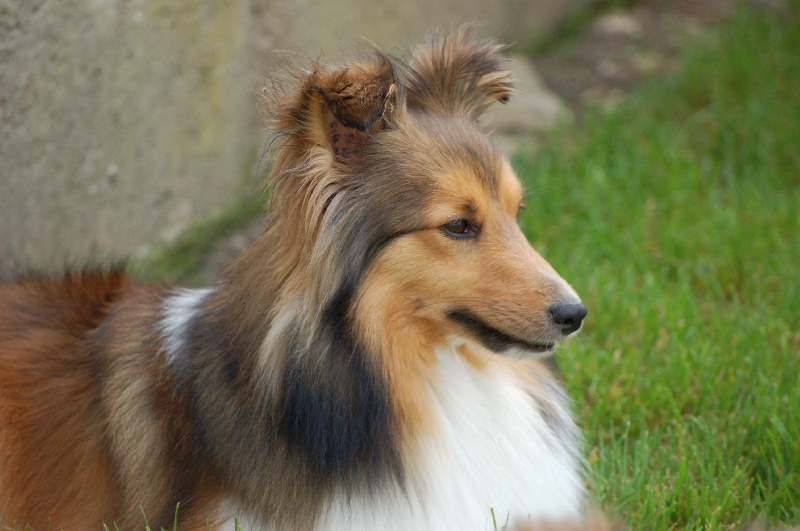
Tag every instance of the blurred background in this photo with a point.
(123, 121)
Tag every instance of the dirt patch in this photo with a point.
(619, 48)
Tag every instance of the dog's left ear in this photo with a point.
(457, 74)
(338, 108)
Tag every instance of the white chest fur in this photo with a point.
(495, 453)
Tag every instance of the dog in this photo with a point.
(378, 358)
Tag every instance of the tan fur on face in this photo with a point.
(403, 304)
(497, 274)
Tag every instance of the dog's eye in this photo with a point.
(460, 228)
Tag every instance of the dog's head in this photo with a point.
(402, 213)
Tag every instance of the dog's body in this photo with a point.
(374, 360)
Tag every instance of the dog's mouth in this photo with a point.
(494, 339)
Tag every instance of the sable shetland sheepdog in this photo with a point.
(376, 359)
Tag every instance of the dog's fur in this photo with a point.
(375, 359)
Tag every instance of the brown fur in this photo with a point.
(82, 441)
(47, 394)
(302, 373)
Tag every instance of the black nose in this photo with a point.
(568, 315)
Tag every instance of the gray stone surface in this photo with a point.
(123, 121)
(119, 122)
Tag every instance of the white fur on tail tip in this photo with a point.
(494, 452)
(177, 310)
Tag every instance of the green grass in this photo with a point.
(677, 218)
(181, 261)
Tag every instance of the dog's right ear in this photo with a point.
(457, 74)
(338, 108)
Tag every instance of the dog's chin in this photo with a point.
(529, 350)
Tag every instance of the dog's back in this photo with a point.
(47, 374)
(73, 305)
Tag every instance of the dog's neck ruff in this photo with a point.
(501, 446)
(495, 452)
(501, 452)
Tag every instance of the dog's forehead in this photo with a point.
(439, 145)
(461, 160)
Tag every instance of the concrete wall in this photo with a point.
(123, 121)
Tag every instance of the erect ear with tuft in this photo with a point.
(457, 74)
(348, 104)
